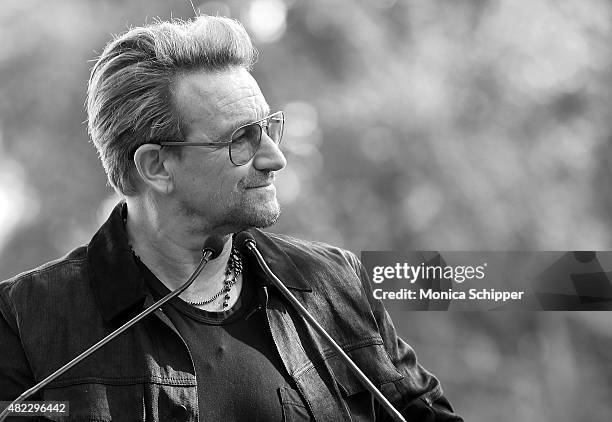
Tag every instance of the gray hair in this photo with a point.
(130, 93)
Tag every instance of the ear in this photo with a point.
(150, 164)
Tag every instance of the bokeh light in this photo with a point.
(19, 204)
(267, 19)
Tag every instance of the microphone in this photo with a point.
(212, 245)
(211, 250)
(247, 241)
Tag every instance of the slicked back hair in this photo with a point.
(130, 95)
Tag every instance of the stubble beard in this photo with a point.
(241, 213)
(243, 209)
(254, 214)
(252, 208)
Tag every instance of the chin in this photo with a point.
(267, 219)
(259, 217)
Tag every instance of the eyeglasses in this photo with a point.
(245, 140)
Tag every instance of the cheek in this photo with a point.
(226, 184)
(211, 169)
(215, 174)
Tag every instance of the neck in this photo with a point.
(171, 247)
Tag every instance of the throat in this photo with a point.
(233, 272)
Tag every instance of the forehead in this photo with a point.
(212, 103)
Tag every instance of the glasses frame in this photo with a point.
(262, 123)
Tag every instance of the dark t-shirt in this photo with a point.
(238, 369)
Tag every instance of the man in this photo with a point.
(187, 138)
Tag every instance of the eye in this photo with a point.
(239, 135)
(248, 133)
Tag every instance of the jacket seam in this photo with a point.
(174, 381)
(8, 311)
(352, 346)
(294, 403)
(53, 265)
(8, 303)
(330, 353)
(11, 282)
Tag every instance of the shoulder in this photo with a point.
(48, 272)
(41, 284)
(313, 251)
(327, 270)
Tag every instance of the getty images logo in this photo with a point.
(412, 273)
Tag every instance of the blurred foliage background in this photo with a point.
(420, 124)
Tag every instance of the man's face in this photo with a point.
(223, 197)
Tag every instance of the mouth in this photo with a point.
(259, 182)
(260, 186)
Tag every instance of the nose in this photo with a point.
(269, 157)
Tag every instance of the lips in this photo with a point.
(259, 186)
(256, 183)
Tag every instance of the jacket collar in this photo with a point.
(280, 262)
(118, 285)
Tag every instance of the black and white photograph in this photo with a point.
(208, 210)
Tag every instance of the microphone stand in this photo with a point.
(249, 242)
(211, 250)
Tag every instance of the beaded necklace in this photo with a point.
(232, 271)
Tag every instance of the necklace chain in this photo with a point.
(232, 271)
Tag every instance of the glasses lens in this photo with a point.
(245, 142)
(275, 127)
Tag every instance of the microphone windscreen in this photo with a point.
(213, 244)
(241, 240)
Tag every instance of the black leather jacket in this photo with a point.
(58, 310)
